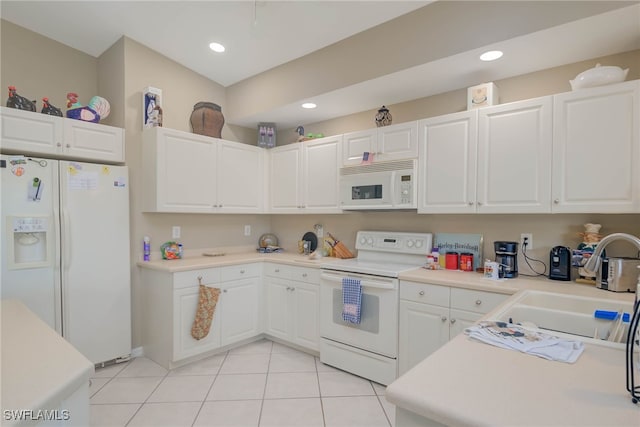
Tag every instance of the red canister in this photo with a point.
(451, 261)
(466, 261)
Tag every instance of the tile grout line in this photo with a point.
(204, 400)
(145, 401)
(266, 381)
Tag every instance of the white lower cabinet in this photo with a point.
(171, 301)
(292, 305)
(431, 315)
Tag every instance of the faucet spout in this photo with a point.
(593, 264)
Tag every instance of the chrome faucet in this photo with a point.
(593, 264)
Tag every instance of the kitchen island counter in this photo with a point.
(471, 383)
(43, 376)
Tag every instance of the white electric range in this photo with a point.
(369, 348)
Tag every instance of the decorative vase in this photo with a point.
(207, 119)
(383, 117)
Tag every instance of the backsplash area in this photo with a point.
(548, 230)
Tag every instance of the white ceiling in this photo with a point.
(260, 35)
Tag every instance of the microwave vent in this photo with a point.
(378, 167)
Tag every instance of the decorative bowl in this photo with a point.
(598, 76)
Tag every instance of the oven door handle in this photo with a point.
(364, 282)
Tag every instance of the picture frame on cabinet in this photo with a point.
(151, 107)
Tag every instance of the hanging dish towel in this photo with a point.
(207, 300)
(515, 337)
(351, 299)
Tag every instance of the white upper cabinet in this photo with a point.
(321, 158)
(385, 143)
(447, 163)
(514, 157)
(596, 150)
(303, 177)
(285, 178)
(490, 160)
(185, 172)
(27, 132)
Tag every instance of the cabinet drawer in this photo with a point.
(308, 275)
(277, 270)
(476, 301)
(425, 293)
(185, 279)
(236, 272)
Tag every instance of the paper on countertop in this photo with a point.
(516, 337)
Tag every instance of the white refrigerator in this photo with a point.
(65, 249)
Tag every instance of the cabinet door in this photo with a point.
(398, 141)
(460, 319)
(448, 156)
(185, 304)
(321, 159)
(240, 177)
(285, 177)
(30, 133)
(185, 172)
(596, 150)
(306, 315)
(240, 311)
(93, 141)
(423, 329)
(354, 144)
(514, 157)
(278, 309)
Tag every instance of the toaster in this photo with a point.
(618, 274)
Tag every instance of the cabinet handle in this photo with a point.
(470, 203)
(479, 203)
(453, 321)
(58, 145)
(421, 293)
(68, 145)
(556, 201)
(277, 270)
(293, 289)
(288, 288)
(241, 271)
(224, 290)
(219, 206)
(443, 318)
(478, 302)
(304, 274)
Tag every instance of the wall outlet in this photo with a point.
(529, 238)
(175, 232)
(247, 230)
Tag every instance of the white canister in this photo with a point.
(491, 270)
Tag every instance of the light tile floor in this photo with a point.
(259, 384)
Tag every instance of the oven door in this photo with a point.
(367, 191)
(377, 330)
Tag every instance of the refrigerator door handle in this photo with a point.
(67, 238)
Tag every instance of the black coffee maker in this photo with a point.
(507, 258)
(560, 263)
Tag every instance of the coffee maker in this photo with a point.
(507, 258)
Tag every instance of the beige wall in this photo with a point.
(40, 67)
(127, 67)
(540, 83)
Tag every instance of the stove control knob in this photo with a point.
(363, 240)
(410, 243)
(370, 241)
(419, 244)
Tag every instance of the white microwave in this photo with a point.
(384, 185)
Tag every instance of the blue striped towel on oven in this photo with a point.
(351, 299)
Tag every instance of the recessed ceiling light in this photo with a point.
(216, 47)
(491, 55)
(309, 105)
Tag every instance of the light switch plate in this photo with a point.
(175, 232)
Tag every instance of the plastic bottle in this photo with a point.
(180, 251)
(435, 253)
(146, 248)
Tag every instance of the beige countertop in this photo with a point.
(39, 368)
(466, 382)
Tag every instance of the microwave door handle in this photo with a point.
(364, 282)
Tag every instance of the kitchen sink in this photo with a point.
(568, 316)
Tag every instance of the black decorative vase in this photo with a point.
(383, 117)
